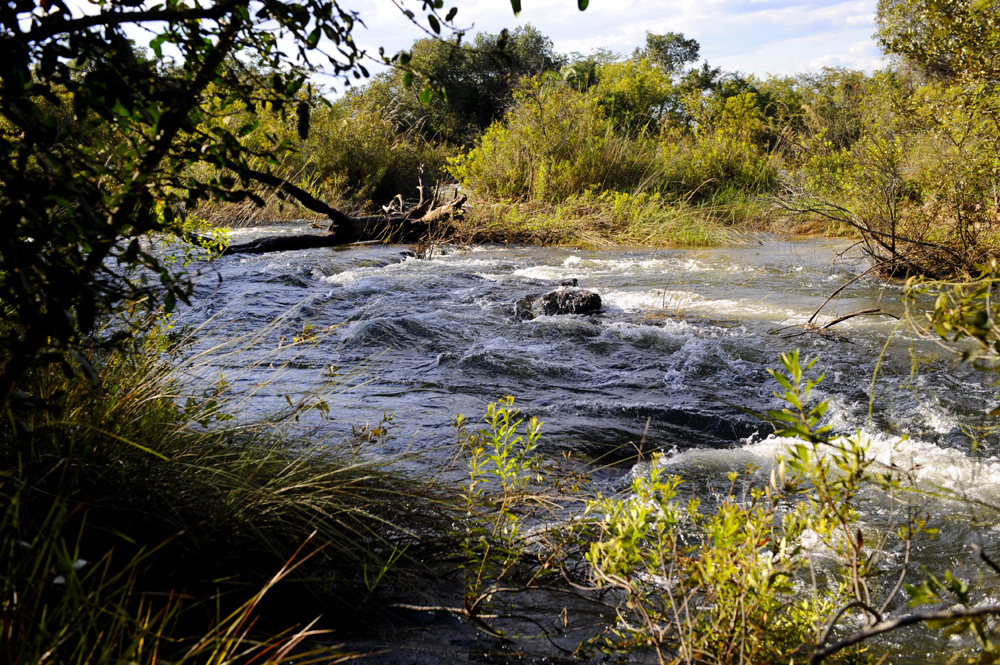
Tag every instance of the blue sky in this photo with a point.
(752, 36)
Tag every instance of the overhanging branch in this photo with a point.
(49, 29)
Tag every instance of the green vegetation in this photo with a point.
(761, 570)
(600, 220)
(141, 522)
(141, 511)
(901, 158)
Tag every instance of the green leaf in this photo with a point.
(407, 79)
(156, 44)
(451, 14)
(923, 594)
(313, 39)
(782, 380)
(435, 25)
(425, 96)
(582, 4)
(247, 128)
(516, 6)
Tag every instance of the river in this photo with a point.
(684, 339)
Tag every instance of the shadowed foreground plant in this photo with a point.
(137, 520)
(56, 606)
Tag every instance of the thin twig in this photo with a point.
(837, 292)
(982, 555)
(836, 617)
(845, 317)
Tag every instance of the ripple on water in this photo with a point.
(681, 329)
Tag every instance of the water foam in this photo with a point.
(680, 302)
(934, 468)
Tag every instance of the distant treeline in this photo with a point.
(905, 156)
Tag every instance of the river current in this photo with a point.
(682, 344)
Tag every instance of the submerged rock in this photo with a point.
(569, 300)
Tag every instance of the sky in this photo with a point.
(783, 37)
(751, 36)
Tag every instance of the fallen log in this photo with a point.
(344, 229)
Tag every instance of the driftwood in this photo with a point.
(409, 226)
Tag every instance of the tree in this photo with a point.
(475, 81)
(98, 141)
(945, 39)
(671, 51)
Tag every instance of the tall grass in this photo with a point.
(139, 522)
(594, 219)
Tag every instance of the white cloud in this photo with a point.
(753, 36)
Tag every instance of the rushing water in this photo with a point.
(684, 339)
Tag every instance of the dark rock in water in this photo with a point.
(561, 301)
(409, 253)
(522, 308)
(572, 281)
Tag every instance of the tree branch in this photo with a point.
(309, 201)
(837, 213)
(49, 29)
(908, 620)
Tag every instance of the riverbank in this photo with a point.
(590, 220)
(145, 517)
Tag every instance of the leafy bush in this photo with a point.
(735, 578)
(554, 142)
(725, 154)
(355, 153)
(635, 95)
(919, 184)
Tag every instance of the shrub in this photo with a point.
(554, 142)
(635, 94)
(355, 153)
(731, 578)
(919, 184)
(725, 155)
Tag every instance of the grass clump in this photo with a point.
(594, 219)
(138, 522)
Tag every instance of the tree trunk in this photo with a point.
(344, 229)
